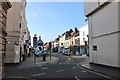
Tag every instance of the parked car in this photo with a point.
(66, 51)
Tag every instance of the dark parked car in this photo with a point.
(66, 51)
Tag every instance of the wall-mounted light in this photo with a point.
(86, 19)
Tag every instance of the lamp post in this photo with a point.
(50, 45)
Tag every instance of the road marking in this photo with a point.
(76, 78)
(74, 67)
(65, 63)
(69, 59)
(84, 71)
(74, 63)
(39, 65)
(39, 74)
(44, 68)
(18, 77)
(68, 63)
(60, 70)
(37, 62)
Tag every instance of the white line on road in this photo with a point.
(39, 65)
(77, 78)
(84, 71)
(44, 68)
(60, 63)
(60, 70)
(74, 67)
(39, 74)
(69, 59)
(73, 63)
(18, 77)
(65, 63)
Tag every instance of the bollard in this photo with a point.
(44, 57)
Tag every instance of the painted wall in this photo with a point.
(83, 30)
(13, 29)
(14, 18)
(62, 40)
(67, 43)
(119, 33)
(92, 5)
(103, 32)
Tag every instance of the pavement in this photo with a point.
(109, 71)
(78, 56)
(29, 62)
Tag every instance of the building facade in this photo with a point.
(55, 45)
(61, 42)
(69, 40)
(83, 31)
(104, 32)
(77, 43)
(4, 6)
(16, 23)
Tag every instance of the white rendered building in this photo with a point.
(104, 32)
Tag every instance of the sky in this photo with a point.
(50, 19)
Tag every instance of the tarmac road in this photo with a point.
(66, 68)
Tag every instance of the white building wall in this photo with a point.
(62, 40)
(56, 44)
(119, 47)
(107, 50)
(92, 5)
(67, 43)
(77, 38)
(84, 30)
(103, 32)
(102, 23)
(119, 33)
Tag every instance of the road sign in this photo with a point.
(34, 41)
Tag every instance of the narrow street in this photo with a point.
(65, 68)
(59, 39)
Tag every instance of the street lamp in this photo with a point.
(50, 45)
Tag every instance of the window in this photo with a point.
(20, 25)
(83, 39)
(72, 42)
(95, 47)
(83, 33)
